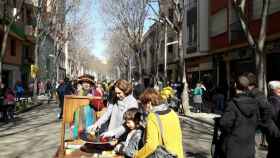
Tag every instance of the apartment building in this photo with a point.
(199, 65)
(20, 44)
(228, 46)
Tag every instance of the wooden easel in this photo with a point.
(71, 104)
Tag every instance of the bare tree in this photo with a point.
(256, 44)
(177, 25)
(120, 52)
(10, 18)
(127, 16)
(50, 21)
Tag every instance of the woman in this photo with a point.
(197, 97)
(273, 139)
(115, 112)
(238, 123)
(154, 105)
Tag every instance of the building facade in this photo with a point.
(19, 54)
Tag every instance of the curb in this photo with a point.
(201, 119)
(41, 102)
(29, 108)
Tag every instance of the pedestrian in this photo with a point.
(49, 89)
(219, 100)
(61, 92)
(238, 123)
(162, 126)
(19, 90)
(133, 141)
(273, 136)
(197, 97)
(114, 113)
(264, 107)
(138, 88)
(10, 103)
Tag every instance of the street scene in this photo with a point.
(139, 78)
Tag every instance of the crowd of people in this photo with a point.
(144, 119)
(139, 118)
(246, 112)
(145, 122)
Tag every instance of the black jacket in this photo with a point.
(263, 105)
(273, 137)
(238, 125)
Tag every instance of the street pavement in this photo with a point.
(36, 134)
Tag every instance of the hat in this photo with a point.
(274, 85)
(86, 78)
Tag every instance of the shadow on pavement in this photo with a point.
(24, 130)
(197, 155)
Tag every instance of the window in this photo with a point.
(170, 49)
(13, 47)
(218, 23)
(257, 8)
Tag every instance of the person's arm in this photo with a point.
(105, 117)
(132, 146)
(228, 118)
(265, 108)
(117, 132)
(272, 129)
(152, 138)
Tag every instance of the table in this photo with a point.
(86, 151)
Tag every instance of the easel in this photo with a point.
(71, 104)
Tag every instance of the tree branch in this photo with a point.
(262, 35)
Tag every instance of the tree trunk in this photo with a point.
(4, 45)
(139, 63)
(36, 50)
(261, 70)
(184, 95)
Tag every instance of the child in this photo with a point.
(133, 140)
(10, 103)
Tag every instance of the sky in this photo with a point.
(99, 46)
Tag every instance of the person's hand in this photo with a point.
(92, 128)
(107, 134)
(117, 148)
(114, 142)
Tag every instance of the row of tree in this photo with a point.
(126, 21)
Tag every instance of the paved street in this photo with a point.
(35, 134)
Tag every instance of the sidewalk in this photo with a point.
(205, 118)
(42, 99)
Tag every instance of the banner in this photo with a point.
(34, 70)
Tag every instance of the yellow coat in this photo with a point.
(172, 135)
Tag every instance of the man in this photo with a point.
(60, 92)
(264, 107)
(273, 134)
(238, 123)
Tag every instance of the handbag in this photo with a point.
(161, 151)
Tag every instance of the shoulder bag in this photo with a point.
(161, 151)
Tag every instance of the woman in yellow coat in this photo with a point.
(172, 134)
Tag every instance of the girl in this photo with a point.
(133, 140)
